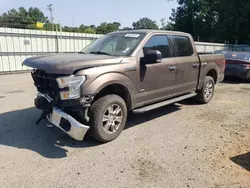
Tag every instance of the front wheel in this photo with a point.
(108, 116)
(207, 91)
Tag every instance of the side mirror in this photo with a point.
(152, 56)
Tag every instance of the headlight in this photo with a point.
(73, 83)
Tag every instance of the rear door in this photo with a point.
(187, 62)
(156, 81)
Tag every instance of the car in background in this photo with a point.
(220, 51)
(237, 65)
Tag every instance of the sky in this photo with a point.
(88, 12)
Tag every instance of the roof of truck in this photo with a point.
(148, 31)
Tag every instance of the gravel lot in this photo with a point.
(182, 145)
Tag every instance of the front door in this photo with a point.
(187, 63)
(156, 81)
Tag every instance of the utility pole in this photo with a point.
(51, 17)
(163, 23)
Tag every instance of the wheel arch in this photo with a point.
(210, 70)
(213, 73)
(113, 83)
(118, 89)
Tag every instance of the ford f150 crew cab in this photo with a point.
(139, 70)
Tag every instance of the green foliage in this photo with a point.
(213, 20)
(87, 29)
(145, 23)
(90, 30)
(105, 28)
(27, 19)
(48, 26)
(36, 15)
(69, 29)
(208, 20)
(22, 18)
(127, 28)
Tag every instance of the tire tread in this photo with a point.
(94, 117)
(200, 97)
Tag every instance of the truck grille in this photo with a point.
(46, 83)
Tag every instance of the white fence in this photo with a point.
(204, 47)
(19, 44)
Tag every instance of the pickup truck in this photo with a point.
(91, 92)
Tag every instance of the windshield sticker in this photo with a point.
(126, 50)
(132, 35)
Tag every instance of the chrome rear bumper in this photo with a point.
(67, 124)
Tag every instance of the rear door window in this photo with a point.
(182, 46)
(160, 43)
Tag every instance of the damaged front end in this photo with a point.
(66, 114)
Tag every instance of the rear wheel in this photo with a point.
(108, 116)
(207, 92)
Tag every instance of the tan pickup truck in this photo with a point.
(140, 70)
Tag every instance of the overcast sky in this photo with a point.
(87, 12)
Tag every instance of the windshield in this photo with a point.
(117, 44)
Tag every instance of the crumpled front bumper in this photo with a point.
(67, 124)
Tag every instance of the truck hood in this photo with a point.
(69, 63)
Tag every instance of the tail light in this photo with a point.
(222, 63)
(245, 65)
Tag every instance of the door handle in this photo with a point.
(195, 65)
(172, 67)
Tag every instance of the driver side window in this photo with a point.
(160, 43)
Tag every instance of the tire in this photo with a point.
(206, 93)
(101, 110)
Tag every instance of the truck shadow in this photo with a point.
(18, 129)
(136, 119)
(242, 160)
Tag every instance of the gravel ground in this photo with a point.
(182, 145)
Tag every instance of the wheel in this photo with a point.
(108, 116)
(207, 91)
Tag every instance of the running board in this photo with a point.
(163, 103)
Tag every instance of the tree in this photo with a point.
(233, 21)
(213, 20)
(36, 15)
(186, 16)
(89, 30)
(22, 18)
(127, 28)
(105, 28)
(48, 26)
(163, 24)
(145, 23)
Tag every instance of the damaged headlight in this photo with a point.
(73, 83)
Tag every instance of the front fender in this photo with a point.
(108, 79)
